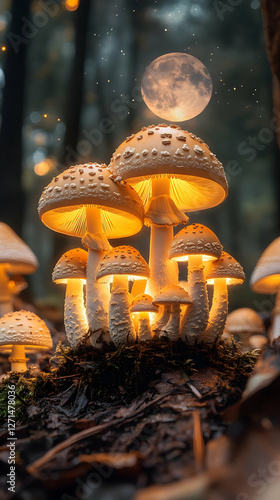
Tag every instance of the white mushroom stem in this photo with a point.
(162, 319)
(144, 327)
(5, 294)
(218, 313)
(97, 294)
(275, 329)
(163, 271)
(121, 326)
(75, 320)
(172, 328)
(18, 359)
(195, 319)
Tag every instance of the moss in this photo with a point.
(111, 375)
(24, 392)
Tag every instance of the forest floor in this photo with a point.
(151, 421)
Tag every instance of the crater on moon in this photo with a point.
(176, 86)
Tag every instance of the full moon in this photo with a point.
(176, 87)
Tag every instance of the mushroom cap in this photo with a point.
(195, 239)
(197, 178)
(15, 255)
(257, 341)
(143, 303)
(244, 320)
(71, 265)
(225, 267)
(124, 260)
(63, 203)
(266, 275)
(24, 328)
(172, 294)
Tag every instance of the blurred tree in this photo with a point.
(11, 193)
(76, 82)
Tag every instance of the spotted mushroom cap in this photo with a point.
(266, 275)
(15, 255)
(24, 328)
(71, 265)
(143, 303)
(172, 294)
(195, 239)
(124, 260)
(225, 267)
(62, 206)
(244, 321)
(197, 178)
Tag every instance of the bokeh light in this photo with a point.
(44, 167)
(72, 5)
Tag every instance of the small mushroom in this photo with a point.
(173, 172)
(21, 332)
(17, 284)
(266, 279)
(195, 244)
(94, 207)
(119, 266)
(221, 273)
(242, 324)
(71, 270)
(15, 258)
(142, 306)
(174, 296)
(258, 342)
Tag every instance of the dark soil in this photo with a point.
(134, 417)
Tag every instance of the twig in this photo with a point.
(194, 390)
(198, 441)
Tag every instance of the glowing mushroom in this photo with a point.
(15, 258)
(242, 323)
(221, 273)
(143, 306)
(86, 201)
(173, 172)
(21, 332)
(71, 269)
(17, 284)
(266, 279)
(196, 244)
(119, 266)
(174, 296)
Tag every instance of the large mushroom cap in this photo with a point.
(266, 275)
(14, 253)
(122, 260)
(244, 321)
(143, 303)
(62, 206)
(24, 328)
(197, 178)
(225, 267)
(71, 265)
(195, 239)
(172, 294)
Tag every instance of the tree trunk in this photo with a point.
(11, 192)
(74, 99)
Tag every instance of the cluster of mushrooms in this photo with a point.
(155, 177)
(112, 294)
(22, 331)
